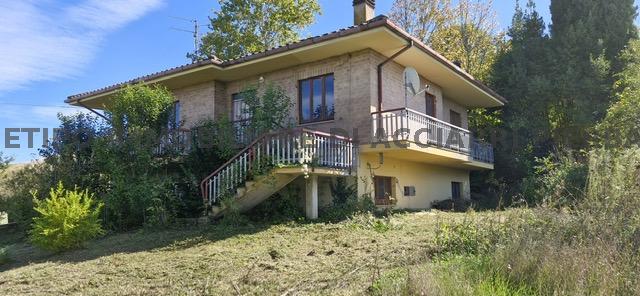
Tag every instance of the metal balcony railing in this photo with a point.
(409, 125)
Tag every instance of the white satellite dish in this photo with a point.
(411, 84)
(411, 81)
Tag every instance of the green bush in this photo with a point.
(346, 202)
(15, 192)
(66, 220)
(281, 207)
(472, 236)
(560, 180)
(4, 256)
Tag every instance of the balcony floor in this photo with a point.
(430, 155)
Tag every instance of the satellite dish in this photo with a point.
(411, 84)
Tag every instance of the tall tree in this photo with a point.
(521, 74)
(620, 128)
(4, 162)
(421, 18)
(470, 37)
(587, 37)
(465, 32)
(242, 27)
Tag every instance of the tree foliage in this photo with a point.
(421, 18)
(465, 32)
(586, 39)
(521, 75)
(140, 107)
(4, 162)
(470, 37)
(269, 107)
(67, 219)
(242, 27)
(621, 126)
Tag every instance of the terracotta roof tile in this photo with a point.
(373, 23)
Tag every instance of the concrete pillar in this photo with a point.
(311, 197)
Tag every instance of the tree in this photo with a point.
(140, 107)
(470, 37)
(520, 74)
(621, 126)
(421, 18)
(466, 33)
(587, 36)
(242, 27)
(4, 162)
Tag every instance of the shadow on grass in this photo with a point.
(22, 253)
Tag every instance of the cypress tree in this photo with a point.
(520, 74)
(587, 37)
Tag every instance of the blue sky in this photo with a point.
(50, 49)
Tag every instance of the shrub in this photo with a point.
(472, 236)
(67, 219)
(345, 202)
(282, 206)
(4, 255)
(16, 198)
(456, 205)
(560, 179)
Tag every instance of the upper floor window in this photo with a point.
(239, 110)
(455, 118)
(174, 116)
(316, 99)
(431, 104)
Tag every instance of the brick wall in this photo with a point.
(196, 102)
(355, 93)
(352, 90)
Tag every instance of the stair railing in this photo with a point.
(286, 148)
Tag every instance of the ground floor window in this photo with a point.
(383, 190)
(456, 190)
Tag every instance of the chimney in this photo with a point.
(363, 11)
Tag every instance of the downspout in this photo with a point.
(92, 110)
(391, 58)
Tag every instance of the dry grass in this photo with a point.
(339, 259)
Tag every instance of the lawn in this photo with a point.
(286, 259)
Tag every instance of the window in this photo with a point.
(316, 99)
(409, 191)
(239, 110)
(431, 104)
(454, 118)
(383, 190)
(174, 117)
(456, 190)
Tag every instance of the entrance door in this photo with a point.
(383, 190)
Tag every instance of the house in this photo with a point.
(402, 148)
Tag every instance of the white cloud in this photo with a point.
(45, 40)
(34, 116)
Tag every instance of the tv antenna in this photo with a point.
(196, 27)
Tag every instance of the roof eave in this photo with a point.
(380, 21)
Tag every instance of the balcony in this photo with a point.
(410, 129)
(174, 142)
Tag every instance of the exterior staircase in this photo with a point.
(271, 162)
